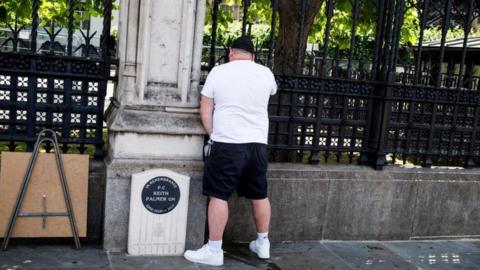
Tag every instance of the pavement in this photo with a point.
(455, 254)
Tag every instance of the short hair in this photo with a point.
(245, 43)
(240, 51)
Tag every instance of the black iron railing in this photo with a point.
(376, 100)
(57, 83)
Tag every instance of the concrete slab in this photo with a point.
(439, 254)
(313, 255)
(197, 213)
(300, 255)
(473, 257)
(299, 171)
(457, 215)
(237, 257)
(306, 255)
(122, 261)
(368, 255)
(117, 207)
(53, 257)
(96, 197)
(290, 203)
(369, 209)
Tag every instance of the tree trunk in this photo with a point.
(291, 45)
(289, 54)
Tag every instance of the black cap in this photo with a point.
(244, 43)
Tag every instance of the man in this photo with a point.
(233, 109)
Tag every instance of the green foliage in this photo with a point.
(259, 15)
(341, 25)
(226, 33)
(434, 33)
(18, 11)
(341, 28)
(259, 11)
(411, 28)
(56, 11)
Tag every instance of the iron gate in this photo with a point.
(53, 74)
(374, 102)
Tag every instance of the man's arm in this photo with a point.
(206, 113)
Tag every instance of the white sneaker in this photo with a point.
(262, 250)
(205, 255)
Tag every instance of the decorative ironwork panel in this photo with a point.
(50, 97)
(318, 119)
(54, 74)
(430, 125)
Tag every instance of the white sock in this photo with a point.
(262, 237)
(215, 246)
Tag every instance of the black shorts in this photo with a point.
(241, 167)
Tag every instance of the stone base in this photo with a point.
(322, 202)
(358, 203)
(117, 203)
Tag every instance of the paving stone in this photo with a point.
(439, 254)
(368, 255)
(238, 256)
(313, 255)
(53, 257)
(294, 255)
(472, 257)
(122, 261)
(306, 256)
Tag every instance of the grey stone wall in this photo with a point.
(358, 203)
(96, 200)
(313, 203)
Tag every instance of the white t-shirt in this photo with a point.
(240, 91)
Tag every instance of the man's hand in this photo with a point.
(206, 113)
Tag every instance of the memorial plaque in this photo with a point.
(160, 195)
(158, 213)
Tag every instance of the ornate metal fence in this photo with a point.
(53, 74)
(377, 100)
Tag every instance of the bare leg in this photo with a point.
(211, 253)
(261, 213)
(217, 218)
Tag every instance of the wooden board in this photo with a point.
(45, 181)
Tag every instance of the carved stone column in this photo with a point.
(153, 120)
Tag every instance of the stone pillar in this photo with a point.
(153, 119)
